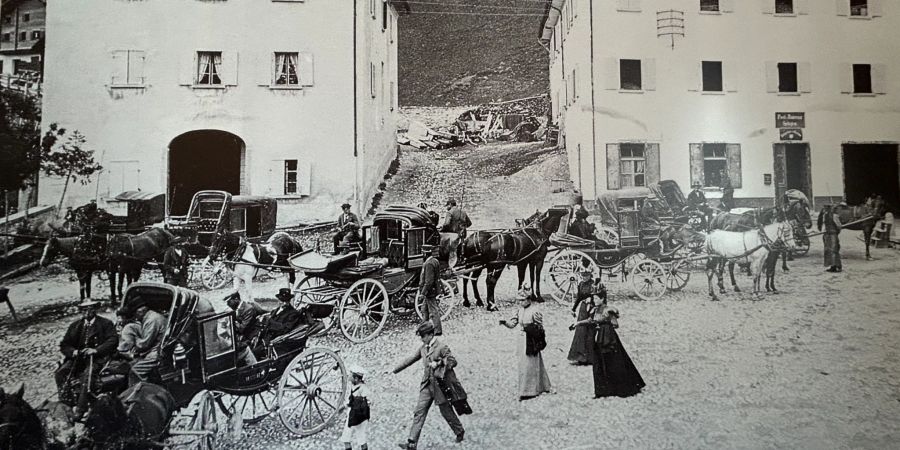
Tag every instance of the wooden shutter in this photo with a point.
(780, 169)
(612, 166)
(651, 164)
(733, 152)
(136, 60)
(611, 73)
(648, 74)
(804, 80)
(697, 164)
(695, 77)
(875, 9)
(771, 76)
(119, 65)
(768, 6)
(729, 76)
(265, 69)
(879, 78)
(726, 6)
(229, 68)
(307, 68)
(275, 180)
(846, 78)
(187, 71)
(304, 178)
(843, 7)
(801, 7)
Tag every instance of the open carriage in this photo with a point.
(360, 289)
(635, 259)
(199, 365)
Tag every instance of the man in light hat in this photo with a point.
(437, 362)
(356, 429)
(430, 287)
(88, 343)
(456, 220)
(175, 263)
(348, 226)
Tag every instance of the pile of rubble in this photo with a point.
(523, 120)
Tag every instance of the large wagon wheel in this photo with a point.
(679, 275)
(648, 279)
(802, 247)
(305, 291)
(215, 275)
(205, 422)
(312, 391)
(447, 300)
(564, 271)
(363, 310)
(252, 408)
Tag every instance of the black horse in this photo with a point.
(136, 419)
(128, 254)
(20, 426)
(873, 210)
(525, 248)
(87, 254)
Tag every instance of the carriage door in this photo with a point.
(218, 348)
(372, 238)
(413, 241)
(629, 228)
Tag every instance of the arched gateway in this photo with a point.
(203, 159)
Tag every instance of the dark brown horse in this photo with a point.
(136, 419)
(87, 254)
(524, 247)
(128, 254)
(20, 426)
(872, 211)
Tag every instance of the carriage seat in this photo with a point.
(300, 333)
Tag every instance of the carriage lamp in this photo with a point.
(181, 365)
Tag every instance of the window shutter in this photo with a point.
(651, 164)
(768, 6)
(136, 67)
(875, 8)
(843, 7)
(879, 78)
(726, 5)
(230, 67)
(304, 178)
(275, 184)
(119, 64)
(648, 74)
(846, 78)
(612, 166)
(307, 68)
(801, 7)
(804, 82)
(729, 76)
(697, 164)
(771, 76)
(187, 72)
(611, 74)
(695, 77)
(733, 152)
(265, 69)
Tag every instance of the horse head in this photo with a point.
(51, 250)
(106, 420)
(548, 222)
(20, 426)
(780, 233)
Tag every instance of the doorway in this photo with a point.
(793, 169)
(871, 169)
(203, 160)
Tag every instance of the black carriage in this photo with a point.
(133, 211)
(381, 276)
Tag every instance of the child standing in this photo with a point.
(357, 426)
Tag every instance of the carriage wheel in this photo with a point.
(648, 279)
(252, 408)
(802, 247)
(205, 421)
(364, 310)
(608, 234)
(215, 275)
(447, 300)
(312, 391)
(303, 296)
(564, 271)
(678, 276)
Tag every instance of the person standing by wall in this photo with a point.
(533, 377)
(831, 238)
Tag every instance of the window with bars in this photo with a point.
(209, 68)
(632, 163)
(290, 176)
(286, 71)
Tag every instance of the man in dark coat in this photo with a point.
(430, 288)
(175, 264)
(438, 363)
(727, 197)
(696, 200)
(348, 227)
(456, 220)
(285, 317)
(831, 238)
(88, 343)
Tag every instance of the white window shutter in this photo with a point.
(136, 67)
(843, 7)
(265, 68)
(304, 178)
(846, 78)
(611, 75)
(768, 6)
(801, 6)
(612, 166)
(119, 66)
(230, 68)
(729, 76)
(648, 74)
(187, 72)
(726, 5)
(879, 78)
(695, 77)
(875, 9)
(275, 179)
(771, 76)
(307, 68)
(804, 80)
(733, 154)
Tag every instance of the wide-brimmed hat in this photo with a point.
(345, 206)
(355, 369)
(88, 303)
(284, 294)
(450, 201)
(695, 184)
(425, 328)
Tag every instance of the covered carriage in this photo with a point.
(133, 211)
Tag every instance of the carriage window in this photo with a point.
(373, 240)
(238, 219)
(632, 163)
(290, 176)
(218, 337)
(715, 164)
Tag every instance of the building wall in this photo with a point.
(675, 113)
(12, 23)
(130, 128)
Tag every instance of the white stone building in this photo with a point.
(21, 37)
(768, 94)
(295, 99)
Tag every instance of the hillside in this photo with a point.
(478, 54)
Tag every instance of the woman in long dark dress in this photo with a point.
(582, 341)
(614, 372)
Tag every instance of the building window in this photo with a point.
(712, 76)
(128, 68)
(787, 77)
(290, 177)
(630, 74)
(784, 6)
(7, 19)
(286, 69)
(715, 165)
(209, 68)
(26, 17)
(862, 79)
(23, 36)
(709, 5)
(7, 37)
(632, 163)
(35, 35)
(859, 8)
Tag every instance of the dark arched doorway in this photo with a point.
(200, 160)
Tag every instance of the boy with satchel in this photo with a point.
(356, 429)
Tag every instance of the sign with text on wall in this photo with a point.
(791, 134)
(790, 120)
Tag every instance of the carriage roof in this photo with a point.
(607, 202)
(180, 306)
(670, 192)
(411, 215)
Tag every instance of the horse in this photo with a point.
(750, 246)
(131, 420)
(268, 256)
(128, 254)
(524, 247)
(82, 260)
(873, 209)
(20, 426)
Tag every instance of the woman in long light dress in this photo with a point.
(533, 378)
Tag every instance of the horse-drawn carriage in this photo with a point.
(133, 211)
(199, 365)
(364, 286)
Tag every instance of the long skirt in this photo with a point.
(533, 378)
(615, 374)
(580, 351)
(832, 250)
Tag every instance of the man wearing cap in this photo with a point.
(430, 288)
(88, 342)
(245, 314)
(175, 263)
(146, 347)
(348, 225)
(437, 362)
(456, 220)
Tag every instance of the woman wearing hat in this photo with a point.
(614, 372)
(533, 377)
(580, 351)
(356, 429)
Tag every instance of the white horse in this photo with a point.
(749, 247)
(271, 256)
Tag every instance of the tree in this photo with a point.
(20, 138)
(63, 155)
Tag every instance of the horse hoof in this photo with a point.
(467, 304)
(479, 304)
(737, 289)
